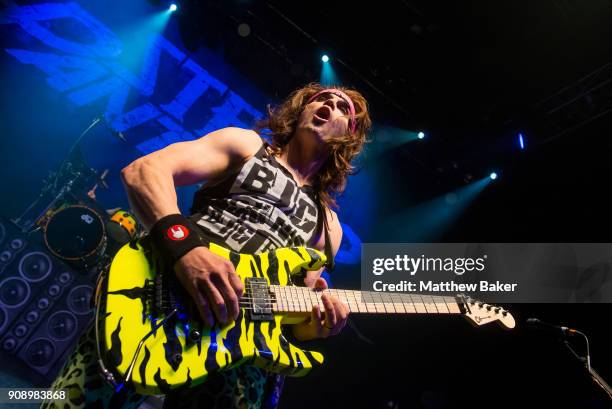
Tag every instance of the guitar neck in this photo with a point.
(302, 299)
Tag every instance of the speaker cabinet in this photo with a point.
(44, 304)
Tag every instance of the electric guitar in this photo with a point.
(152, 339)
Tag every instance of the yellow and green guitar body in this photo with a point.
(169, 358)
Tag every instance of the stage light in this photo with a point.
(521, 141)
(493, 175)
(173, 7)
(328, 75)
(421, 135)
(244, 30)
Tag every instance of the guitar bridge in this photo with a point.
(259, 299)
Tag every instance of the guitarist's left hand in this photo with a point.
(322, 325)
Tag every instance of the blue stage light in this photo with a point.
(325, 58)
(493, 175)
(173, 7)
(421, 135)
(521, 141)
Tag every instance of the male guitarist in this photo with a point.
(255, 197)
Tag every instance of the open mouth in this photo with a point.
(323, 114)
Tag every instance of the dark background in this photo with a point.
(471, 74)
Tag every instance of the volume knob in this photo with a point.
(195, 335)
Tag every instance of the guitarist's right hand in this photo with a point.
(212, 283)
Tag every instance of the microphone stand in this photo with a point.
(52, 186)
(586, 361)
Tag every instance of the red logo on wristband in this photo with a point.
(178, 232)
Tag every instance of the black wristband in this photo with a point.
(173, 236)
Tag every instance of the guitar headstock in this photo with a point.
(480, 313)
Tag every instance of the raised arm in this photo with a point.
(150, 183)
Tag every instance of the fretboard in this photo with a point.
(302, 299)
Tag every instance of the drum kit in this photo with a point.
(83, 237)
(75, 227)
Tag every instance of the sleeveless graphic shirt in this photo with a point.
(257, 208)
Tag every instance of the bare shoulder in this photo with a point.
(331, 213)
(206, 158)
(335, 232)
(237, 142)
(334, 227)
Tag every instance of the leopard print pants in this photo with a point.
(86, 388)
(241, 388)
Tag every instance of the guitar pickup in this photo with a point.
(259, 299)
